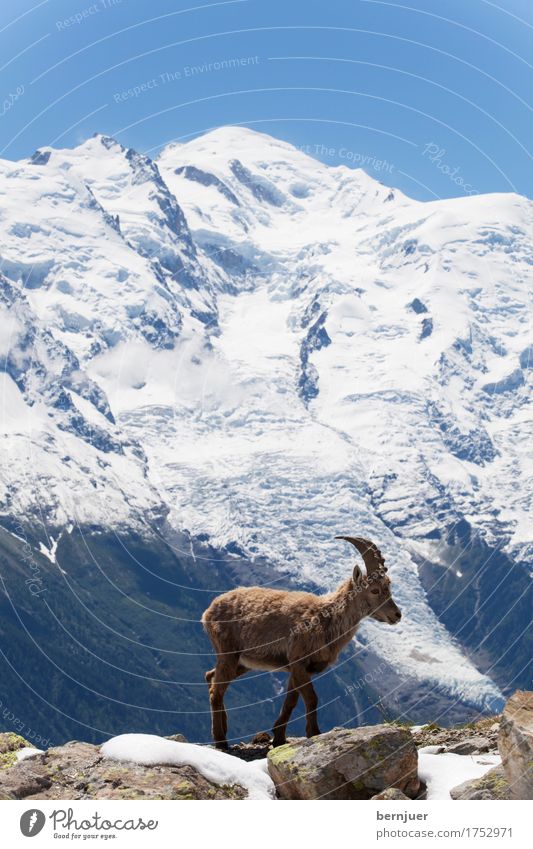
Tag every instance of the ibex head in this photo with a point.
(376, 584)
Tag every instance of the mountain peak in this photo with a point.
(107, 141)
(279, 350)
(236, 142)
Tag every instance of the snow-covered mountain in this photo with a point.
(239, 342)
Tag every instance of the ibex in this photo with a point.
(295, 632)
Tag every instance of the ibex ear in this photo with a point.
(357, 575)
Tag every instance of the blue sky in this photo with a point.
(431, 97)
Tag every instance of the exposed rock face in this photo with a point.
(79, 771)
(492, 785)
(346, 763)
(516, 744)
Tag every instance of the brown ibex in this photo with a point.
(295, 632)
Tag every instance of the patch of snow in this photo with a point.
(261, 764)
(50, 553)
(10, 330)
(442, 772)
(88, 410)
(16, 416)
(216, 766)
(27, 752)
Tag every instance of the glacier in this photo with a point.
(236, 344)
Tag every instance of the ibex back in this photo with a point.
(296, 632)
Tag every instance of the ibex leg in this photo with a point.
(302, 681)
(225, 671)
(280, 725)
(224, 674)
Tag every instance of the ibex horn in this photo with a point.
(370, 553)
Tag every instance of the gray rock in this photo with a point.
(471, 746)
(346, 763)
(392, 794)
(79, 771)
(515, 743)
(432, 735)
(492, 785)
(262, 738)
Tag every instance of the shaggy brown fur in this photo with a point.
(297, 632)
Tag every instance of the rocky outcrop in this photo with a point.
(391, 794)
(474, 738)
(346, 763)
(378, 762)
(492, 785)
(516, 744)
(79, 771)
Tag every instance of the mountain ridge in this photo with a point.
(241, 343)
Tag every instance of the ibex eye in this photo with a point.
(375, 592)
